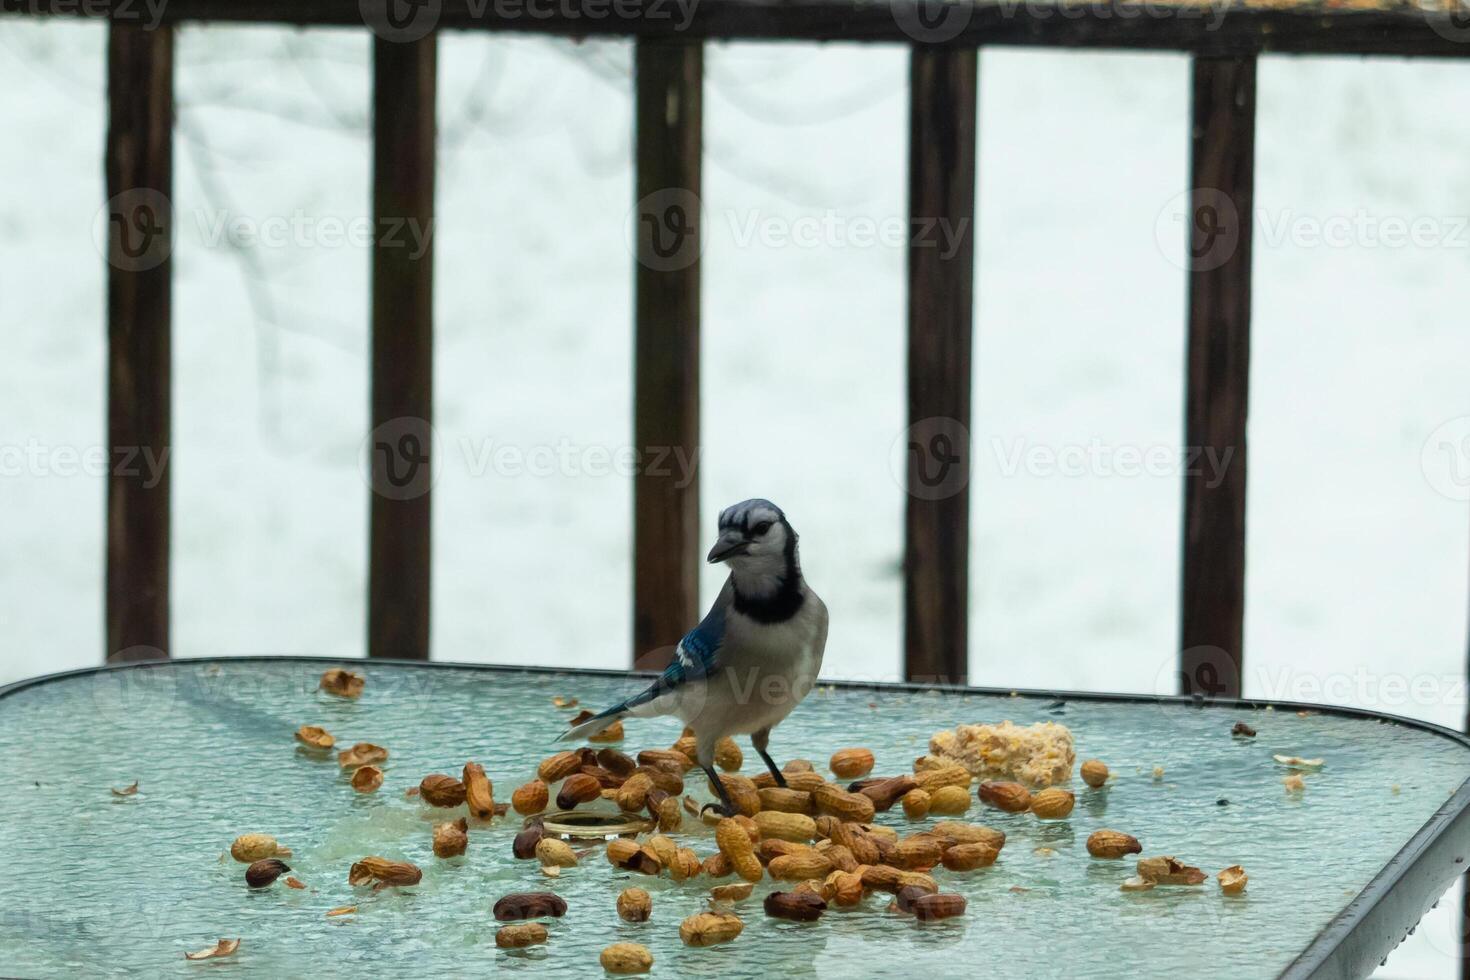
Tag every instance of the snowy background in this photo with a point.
(1359, 470)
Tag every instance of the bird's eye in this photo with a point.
(761, 528)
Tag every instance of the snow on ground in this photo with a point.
(1358, 465)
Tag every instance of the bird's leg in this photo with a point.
(725, 807)
(760, 740)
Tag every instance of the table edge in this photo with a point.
(1352, 943)
(1104, 697)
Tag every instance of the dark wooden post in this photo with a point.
(139, 236)
(1222, 143)
(666, 545)
(401, 442)
(941, 267)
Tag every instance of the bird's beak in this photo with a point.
(731, 543)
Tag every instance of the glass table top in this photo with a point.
(99, 884)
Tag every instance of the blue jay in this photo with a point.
(752, 658)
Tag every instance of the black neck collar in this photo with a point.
(782, 604)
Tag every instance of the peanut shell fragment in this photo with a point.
(1169, 871)
(383, 873)
(315, 737)
(362, 754)
(225, 947)
(367, 779)
(1232, 880)
(342, 683)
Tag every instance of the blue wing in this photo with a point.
(696, 657)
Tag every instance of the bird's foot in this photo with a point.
(720, 808)
(779, 777)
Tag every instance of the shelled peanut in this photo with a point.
(885, 792)
(451, 838)
(626, 959)
(1112, 844)
(440, 790)
(576, 789)
(554, 852)
(742, 792)
(785, 826)
(968, 857)
(710, 928)
(634, 905)
(479, 794)
(520, 935)
(1052, 803)
(1010, 797)
(558, 767)
(837, 802)
(851, 763)
(735, 844)
(949, 800)
(531, 797)
(916, 803)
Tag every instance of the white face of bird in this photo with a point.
(754, 538)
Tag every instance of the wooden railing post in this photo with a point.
(1222, 142)
(401, 442)
(669, 78)
(941, 289)
(139, 237)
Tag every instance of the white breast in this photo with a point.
(783, 658)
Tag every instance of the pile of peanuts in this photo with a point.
(816, 836)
